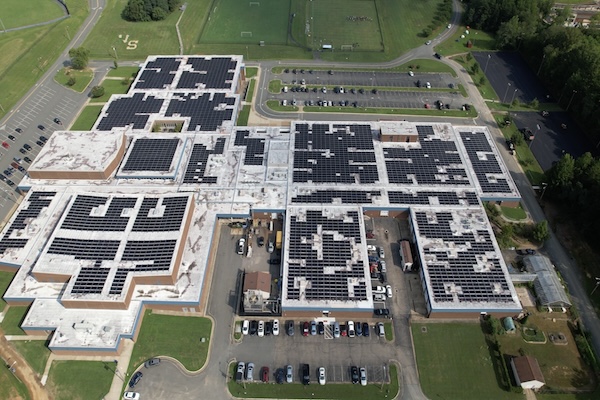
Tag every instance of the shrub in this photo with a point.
(97, 91)
(72, 81)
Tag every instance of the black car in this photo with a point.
(2, 177)
(253, 327)
(10, 183)
(290, 328)
(381, 311)
(153, 362)
(11, 137)
(268, 327)
(382, 277)
(274, 261)
(43, 138)
(57, 121)
(27, 160)
(22, 151)
(261, 241)
(354, 374)
(358, 328)
(41, 127)
(40, 143)
(280, 376)
(26, 146)
(305, 374)
(321, 328)
(365, 329)
(135, 379)
(23, 170)
(438, 56)
(19, 130)
(7, 172)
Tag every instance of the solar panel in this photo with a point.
(36, 202)
(131, 110)
(484, 162)
(90, 281)
(169, 220)
(196, 167)
(255, 148)
(426, 198)
(214, 73)
(345, 196)
(158, 74)
(81, 214)
(151, 155)
(206, 111)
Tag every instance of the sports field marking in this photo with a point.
(246, 34)
(255, 3)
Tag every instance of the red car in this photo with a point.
(264, 374)
(5, 145)
(305, 329)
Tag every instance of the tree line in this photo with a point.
(149, 10)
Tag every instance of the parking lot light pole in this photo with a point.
(596, 287)
(544, 186)
(506, 92)
(486, 63)
(570, 101)
(541, 63)
(513, 97)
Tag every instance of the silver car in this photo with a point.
(250, 372)
(289, 374)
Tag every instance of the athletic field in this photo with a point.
(247, 21)
(343, 24)
(16, 13)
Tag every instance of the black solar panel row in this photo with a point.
(203, 110)
(477, 144)
(151, 155)
(346, 196)
(214, 73)
(133, 110)
(196, 167)
(425, 197)
(158, 74)
(169, 221)
(80, 215)
(37, 201)
(255, 148)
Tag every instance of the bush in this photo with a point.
(535, 103)
(72, 81)
(148, 10)
(97, 91)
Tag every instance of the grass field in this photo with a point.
(12, 320)
(514, 213)
(27, 54)
(177, 337)
(244, 115)
(5, 279)
(76, 380)
(11, 387)
(343, 22)
(123, 72)
(314, 391)
(112, 86)
(530, 166)
(86, 119)
(35, 352)
(482, 41)
(16, 13)
(82, 78)
(251, 72)
(250, 91)
(454, 363)
(245, 21)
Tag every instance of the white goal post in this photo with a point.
(246, 34)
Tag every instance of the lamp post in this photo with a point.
(115, 50)
(570, 101)
(513, 97)
(506, 92)
(542, 63)
(486, 63)
(596, 287)
(544, 186)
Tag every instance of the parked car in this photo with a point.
(382, 266)
(22, 151)
(11, 137)
(241, 369)
(131, 396)
(135, 379)
(241, 245)
(351, 331)
(58, 121)
(250, 372)
(305, 374)
(27, 160)
(43, 138)
(264, 374)
(289, 374)
(381, 311)
(358, 328)
(365, 329)
(253, 327)
(379, 297)
(280, 376)
(336, 329)
(19, 130)
(26, 146)
(305, 328)
(381, 329)
(270, 247)
(313, 328)
(381, 253)
(320, 328)
(290, 328)
(321, 374)
(153, 362)
(261, 328)
(260, 241)
(379, 289)
(10, 183)
(268, 327)
(274, 261)
(354, 374)
(246, 327)
(276, 327)
(388, 290)
(363, 377)
(5, 145)
(428, 42)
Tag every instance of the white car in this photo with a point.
(241, 246)
(382, 266)
(245, 327)
(131, 396)
(428, 85)
(250, 372)
(351, 331)
(322, 379)
(276, 327)
(449, 26)
(388, 290)
(411, 73)
(261, 328)
(289, 374)
(381, 253)
(379, 297)
(270, 247)
(363, 377)
(428, 42)
(379, 289)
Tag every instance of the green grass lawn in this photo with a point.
(482, 41)
(345, 391)
(343, 22)
(486, 90)
(247, 21)
(82, 78)
(133, 40)
(250, 92)
(123, 72)
(454, 363)
(16, 13)
(251, 72)
(275, 86)
(389, 331)
(244, 115)
(86, 118)
(497, 106)
(36, 353)
(396, 111)
(5, 279)
(275, 105)
(11, 324)
(10, 386)
(75, 380)
(27, 54)
(112, 86)
(530, 166)
(173, 336)
(417, 65)
(515, 213)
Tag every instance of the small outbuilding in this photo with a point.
(527, 372)
(257, 289)
(509, 325)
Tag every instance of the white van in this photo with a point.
(351, 331)
(381, 329)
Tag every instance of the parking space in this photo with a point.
(555, 135)
(508, 72)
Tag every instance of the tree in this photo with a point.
(72, 81)
(482, 80)
(509, 34)
(535, 103)
(475, 68)
(148, 10)
(97, 91)
(158, 14)
(80, 57)
(540, 231)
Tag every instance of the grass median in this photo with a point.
(244, 115)
(74, 79)
(250, 91)
(417, 65)
(87, 118)
(5, 279)
(112, 86)
(472, 113)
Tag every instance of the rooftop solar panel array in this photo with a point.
(80, 216)
(196, 167)
(434, 162)
(477, 144)
(452, 272)
(255, 148)
(133, 110)
(36, 202)
(346, 196)
(204, 110)
(308, 259)
(151, 155)
(214, 73)
(434, 198)
(344, 154)
(169, 220)
(158, 74)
